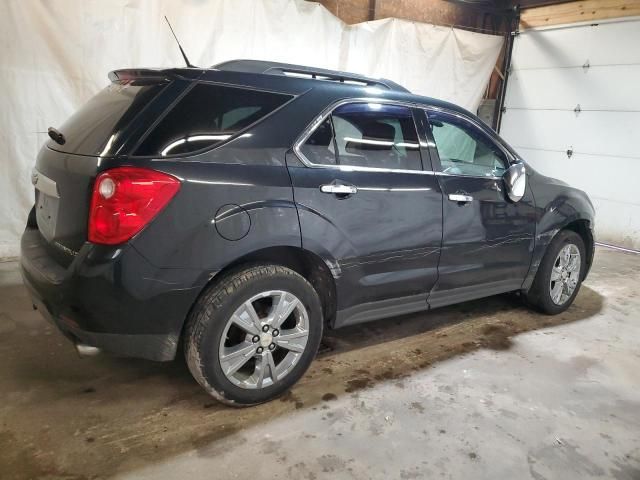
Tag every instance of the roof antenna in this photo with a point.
(184, 55)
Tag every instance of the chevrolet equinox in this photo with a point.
(235, 212)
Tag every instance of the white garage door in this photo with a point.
(578, 88)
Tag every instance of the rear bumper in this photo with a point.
(110, 298)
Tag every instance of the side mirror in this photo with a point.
(515, 180)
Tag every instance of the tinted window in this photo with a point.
(376, 135)
(366, 135)
(206, 116)
(320, 147)
(463, 148)
(93, 128)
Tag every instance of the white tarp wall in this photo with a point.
(596, 66)
(56, 55)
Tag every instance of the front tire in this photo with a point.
(253, 334)
(559, 275)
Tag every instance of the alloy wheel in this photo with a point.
(565, 274)
(264, 339)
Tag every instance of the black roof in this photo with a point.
(295, 79)
(291, 70)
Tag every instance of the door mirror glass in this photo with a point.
(515, 180)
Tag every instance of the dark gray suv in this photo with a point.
(240, 210)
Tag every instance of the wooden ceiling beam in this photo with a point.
(578, 11)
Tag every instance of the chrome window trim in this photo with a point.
(486, 177)
(308, 131)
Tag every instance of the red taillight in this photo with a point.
(126, 199)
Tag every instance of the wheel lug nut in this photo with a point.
(272, 346)
(255, 339)
(275, 332)
(260, 349)
(265, 328)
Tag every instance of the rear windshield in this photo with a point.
(93, 128)
(206, 116)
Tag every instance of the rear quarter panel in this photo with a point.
(222, 212)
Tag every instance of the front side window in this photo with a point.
(206, 116)
(366, 135)
(464, 149)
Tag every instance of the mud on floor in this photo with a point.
(123, 414)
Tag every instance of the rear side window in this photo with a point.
(320, 146)
(206, 116)
(366, 135)
(93, 129)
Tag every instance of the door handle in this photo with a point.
(339, 189)
(459, 197)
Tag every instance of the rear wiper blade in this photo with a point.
(56, 136)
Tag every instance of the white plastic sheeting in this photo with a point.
(55, 55)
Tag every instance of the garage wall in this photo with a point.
(474, 16)
(55, 55)
(576, 88)
(438, 12)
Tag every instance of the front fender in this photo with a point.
(558, 207)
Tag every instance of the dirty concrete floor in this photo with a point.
(486, 389)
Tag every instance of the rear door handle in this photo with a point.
(459, 197)
(338, 189)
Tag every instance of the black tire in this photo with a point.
(208, 319)
(539, 295)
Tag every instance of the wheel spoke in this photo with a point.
(556, 292)
(265, 366)
(261, 366)
(555, 273)
(285, 306)
(233, 358)
(564, 257)
(272, 366)
(247, 318)
(574, 263)
(295, 341)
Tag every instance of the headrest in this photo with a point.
(378, 131)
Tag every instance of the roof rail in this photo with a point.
(300, 71)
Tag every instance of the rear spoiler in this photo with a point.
(154, 74)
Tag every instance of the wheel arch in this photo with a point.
(306, 263)
(583, 228)
(580, 225)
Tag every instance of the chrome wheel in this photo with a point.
(264, 339)
(565, 274)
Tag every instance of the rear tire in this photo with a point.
(559, 275)
(253, 334)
